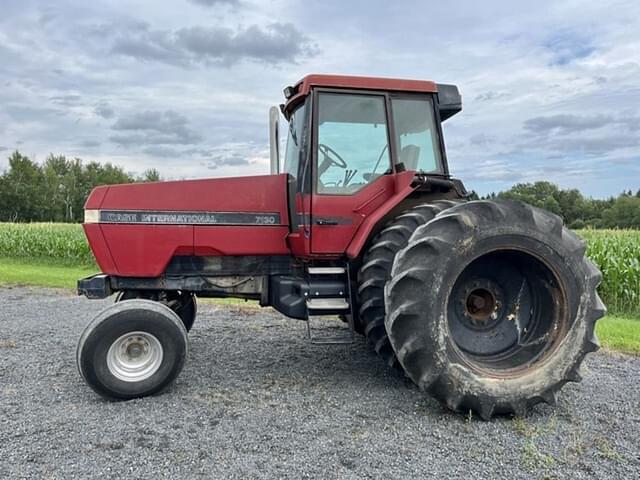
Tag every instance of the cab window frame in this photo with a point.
(391, 167)
(302, 176)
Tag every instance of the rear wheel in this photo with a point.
(132, 349)
(183, 303)
(492, 307)
(376, 270)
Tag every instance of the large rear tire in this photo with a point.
(492, 307)
(134, 348)
(376, 270)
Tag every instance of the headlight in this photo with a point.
(92, 216)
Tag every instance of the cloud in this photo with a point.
(23, 113)
(211, 3)
(104, 111)
(566, 123)
(481, 140)
(89, 143)
(162, 151)
(489, 95)
(562, 126)
(518, 70)
(232, 160)
(154, 128)
(275, 43)
(2, 149)
(66, 100)
(567, 46)
(632, 123)
(593, 146)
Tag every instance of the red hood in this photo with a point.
(135, 229)
(263, 193)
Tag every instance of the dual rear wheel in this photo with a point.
(489, 306)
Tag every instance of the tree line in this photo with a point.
(577, 210)
(55, 191)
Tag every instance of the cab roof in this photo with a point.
(295, 94)
(302, 88)
(366, 83)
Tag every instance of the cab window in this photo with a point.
(416, 136)
(352, 148)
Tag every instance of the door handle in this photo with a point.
(326, 222)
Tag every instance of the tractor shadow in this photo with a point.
(241, 345)
(252, 354)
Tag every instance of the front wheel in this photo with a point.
(132, 349)
(492, 307)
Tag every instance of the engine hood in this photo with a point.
(207, 201)
(136, 229)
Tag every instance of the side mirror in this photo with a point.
(274, 140)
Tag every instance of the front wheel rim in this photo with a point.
(135, 356)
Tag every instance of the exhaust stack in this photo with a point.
(274, 140)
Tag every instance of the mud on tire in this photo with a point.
(376, 270)
(492, 307)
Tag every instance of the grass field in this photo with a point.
(42, 272)
(621, 334)
(57, 255)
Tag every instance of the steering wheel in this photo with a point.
(332, 156)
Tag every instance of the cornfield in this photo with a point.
(616, 252)
(57, 242)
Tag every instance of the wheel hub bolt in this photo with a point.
(135, 350)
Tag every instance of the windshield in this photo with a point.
(353, 146)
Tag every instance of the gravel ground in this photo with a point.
(256, 400)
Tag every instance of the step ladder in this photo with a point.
(322, 304)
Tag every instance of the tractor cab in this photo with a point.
(353, 143)
(379, 125)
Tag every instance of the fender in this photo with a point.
(404, 186)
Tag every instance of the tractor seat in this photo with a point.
(409, 156)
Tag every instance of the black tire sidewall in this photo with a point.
(92, 359)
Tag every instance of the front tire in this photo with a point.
(492, 307)
(132, 349)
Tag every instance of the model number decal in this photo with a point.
(189, 218)
(265, 219)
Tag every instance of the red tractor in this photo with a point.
(486, 305)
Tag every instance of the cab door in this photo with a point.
(351, 159)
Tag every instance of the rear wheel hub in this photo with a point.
(495, 318)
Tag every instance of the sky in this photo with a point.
(551, 89)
